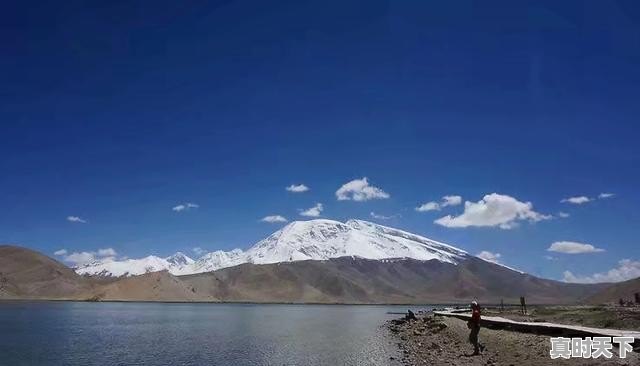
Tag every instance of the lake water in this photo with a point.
(79, 333)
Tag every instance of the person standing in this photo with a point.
(474, 326)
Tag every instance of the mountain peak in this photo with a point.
(323, 239)
(306, 224)
(358, 223)
(179, 259)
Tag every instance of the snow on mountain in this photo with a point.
(179, 259)
(324, 239)
(219, 259)
(176, 264)
(299, 240)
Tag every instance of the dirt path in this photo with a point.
(443, 341)
(615, 317)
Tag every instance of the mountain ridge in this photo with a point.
(318, 239)
(29, 275)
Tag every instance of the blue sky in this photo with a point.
(117, 113)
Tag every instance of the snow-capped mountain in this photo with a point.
(299, 240)
(325, 239)
(177, 264)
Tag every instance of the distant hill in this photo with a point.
(614, 292)
(27, 274)
(155, 286)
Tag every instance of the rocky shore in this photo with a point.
(431, 340)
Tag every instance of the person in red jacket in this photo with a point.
(474, 325)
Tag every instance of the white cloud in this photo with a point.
(550, 258)
(563, 215)
(429, 206)
(107, 252)
(297, 188)
(627, 269)
(577, 200)
(493, 210)
(451, 201)
(383, 217)
(185, 207)
(572, 247)
(273, 219)
(199, 251)
(314, 211)
(76, 219)
(360, 190)
(435, 206)
(80, 258)
(488, 256)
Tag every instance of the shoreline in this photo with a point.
(462, 304)
(434, 340)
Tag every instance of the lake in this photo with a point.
(83, 333)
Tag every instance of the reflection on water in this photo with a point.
(70, 333)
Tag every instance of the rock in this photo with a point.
(411, 315)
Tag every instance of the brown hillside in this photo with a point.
(348, 280)
(28, 274)
(613, 293)
(156, 286)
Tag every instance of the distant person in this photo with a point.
(474, 325)
(523, 305)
